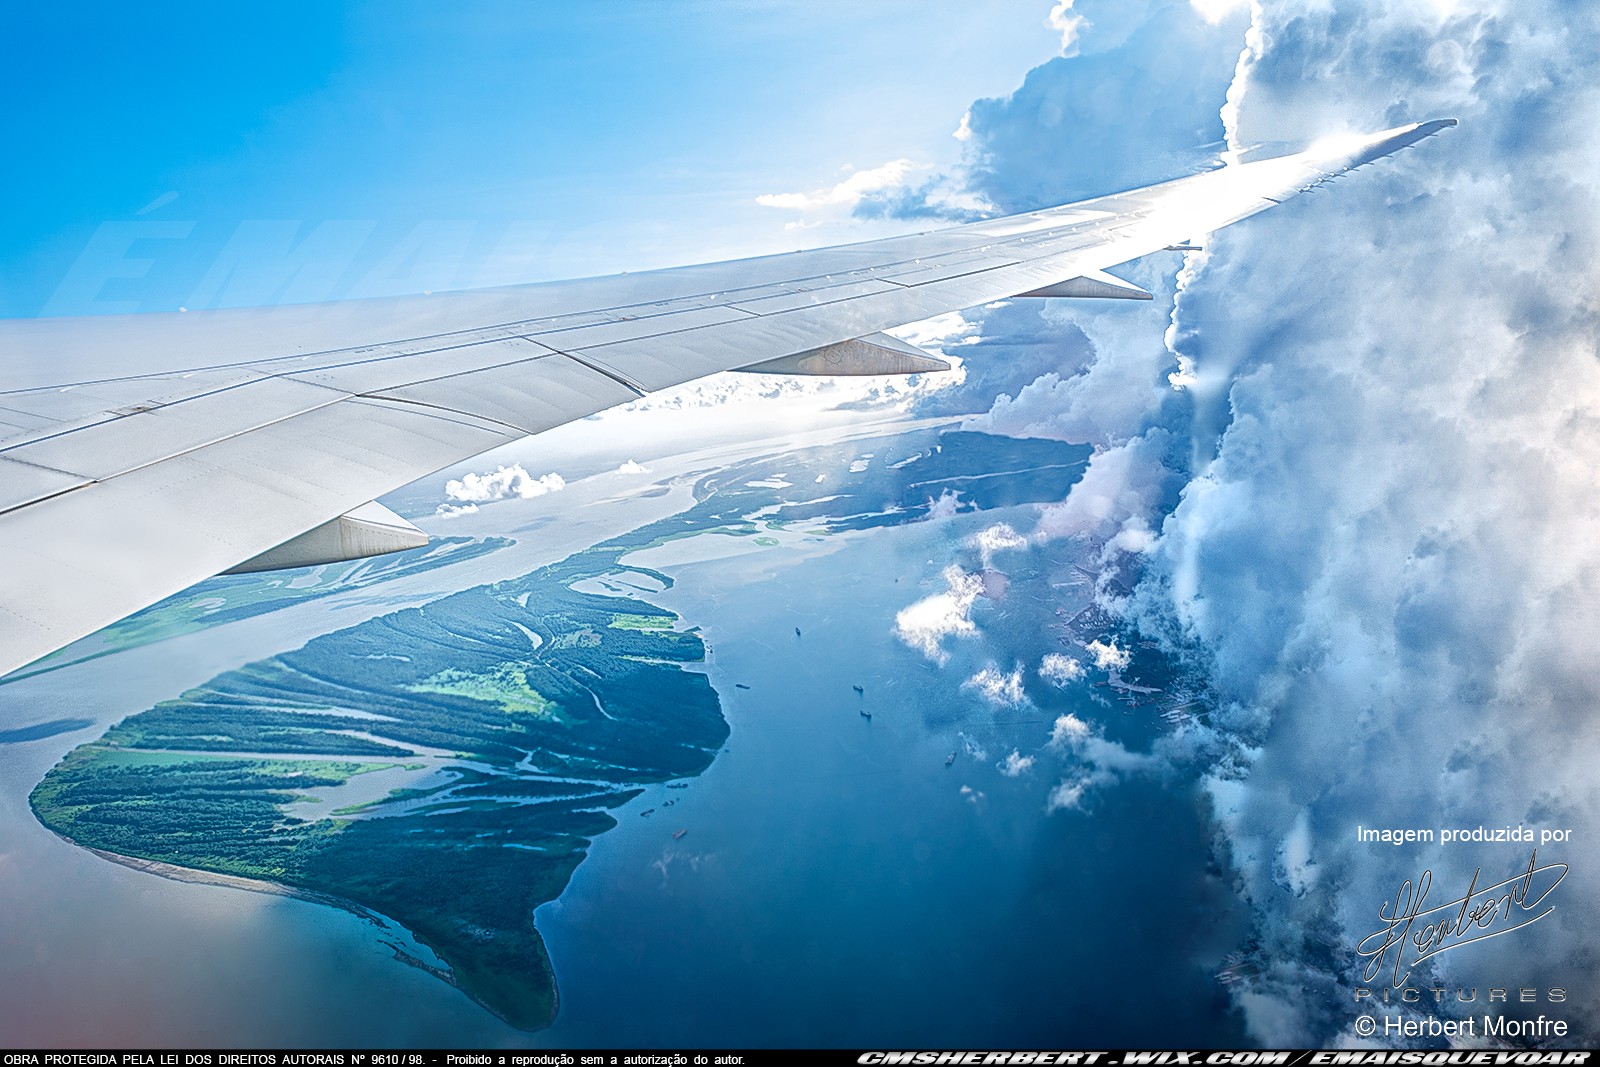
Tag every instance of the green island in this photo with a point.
(507, 721)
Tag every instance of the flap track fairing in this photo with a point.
(1096, 284)
(876, 353)
(369, 530)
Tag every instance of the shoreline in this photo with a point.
(196, 876)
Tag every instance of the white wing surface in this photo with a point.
(140, 454)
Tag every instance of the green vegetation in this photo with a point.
(507, 685)
(556, 705)
(640, 622)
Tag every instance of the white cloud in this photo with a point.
(1015, 765)
(1069, 794)
(994, 538)
(1068, 23)
(450, 511)
(847, 192)
(1109, 657)
(940, 332)
(1069, 730)
(1214, 11)
(1118, 496)
(972, 795)
(505, 482)
(964, 131)
(631, 467)
(997, 688)
(924, 624)
(1101, 763)
(1058, 670)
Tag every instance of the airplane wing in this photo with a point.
(140, 454)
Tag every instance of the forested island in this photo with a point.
(543, 707)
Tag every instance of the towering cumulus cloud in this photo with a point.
(1359, 486)
(1389, 548)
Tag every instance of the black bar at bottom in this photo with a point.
(345, 1057)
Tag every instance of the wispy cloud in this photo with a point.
(974, 749)
(997, 688)
(847, 193)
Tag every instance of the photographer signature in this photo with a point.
(1474, 917)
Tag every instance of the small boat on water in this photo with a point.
(865, 714)
(677, 785)
(740, 685)
(645, 812)
(950, 758)
(858, 689)
(797, 631)
(679, 834)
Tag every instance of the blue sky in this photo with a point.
(623, 136)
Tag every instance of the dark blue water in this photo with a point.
(835, 886)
